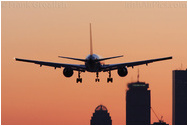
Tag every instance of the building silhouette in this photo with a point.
(101, 116)
(179, 97)
(138, 104)
(160, 123)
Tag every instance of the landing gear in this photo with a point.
(97, 79)
(109, 79)
(79, 79)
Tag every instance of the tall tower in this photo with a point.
(101, 116)
(138, 104)
(179, 97)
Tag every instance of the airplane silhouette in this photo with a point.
(93, 64)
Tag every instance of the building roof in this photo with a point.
(101, 108)
(138, 84)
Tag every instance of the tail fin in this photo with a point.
(91, 44)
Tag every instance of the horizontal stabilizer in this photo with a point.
(83, 60)
(109, 58)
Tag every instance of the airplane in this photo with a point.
(93, 64)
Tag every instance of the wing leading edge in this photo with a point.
(55, 65)
(131, 64)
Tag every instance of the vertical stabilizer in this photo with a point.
(91, 44)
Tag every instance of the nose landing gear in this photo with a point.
(79, 79)
(109, 79)
(97, 79)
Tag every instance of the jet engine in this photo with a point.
(68, 72)
(122, 72)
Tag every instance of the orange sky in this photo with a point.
(44, 30)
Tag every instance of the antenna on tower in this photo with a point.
(138, 76)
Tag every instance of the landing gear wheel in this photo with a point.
(109, 79)
(79, 79)
(97, 79)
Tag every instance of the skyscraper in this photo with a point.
(101, 116)
(138, 104)
(179, 97)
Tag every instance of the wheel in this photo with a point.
(111, 79)
(79, 80)
(97, 80)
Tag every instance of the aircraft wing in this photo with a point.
(55, 65)
(131, 64)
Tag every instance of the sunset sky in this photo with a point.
(31, 94)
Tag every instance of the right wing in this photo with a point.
(131, 64)
(55, 65)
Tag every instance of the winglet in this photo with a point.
(91, 47)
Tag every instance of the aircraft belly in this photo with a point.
(93, 68)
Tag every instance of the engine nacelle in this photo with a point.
(68, 72)
(122, 72)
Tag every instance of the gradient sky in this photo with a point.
(31, 94)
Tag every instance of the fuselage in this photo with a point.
(91, 64)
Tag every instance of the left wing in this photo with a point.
(131, 64)
(55, 65)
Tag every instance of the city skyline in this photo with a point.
(40, 95)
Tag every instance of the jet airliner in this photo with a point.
(93, 64)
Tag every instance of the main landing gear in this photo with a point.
(79, 79)
(109, 79)
(97, 79)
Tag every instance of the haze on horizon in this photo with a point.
(41, 95)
